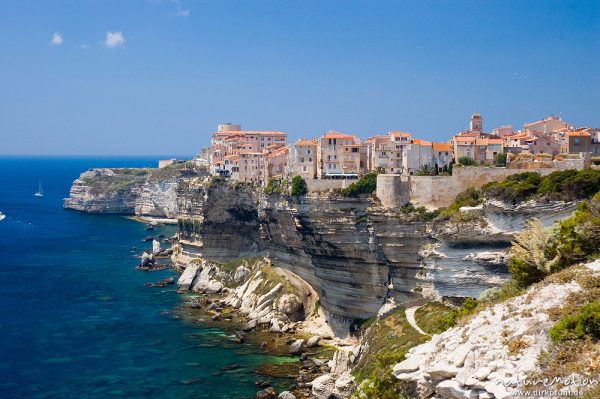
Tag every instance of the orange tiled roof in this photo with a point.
(395, 133)
(579, 133)
(278, 152)
(248, 132)
(496, 141)
(464, 139)
(336, 135)
(420, 142)
(442, 147)
(518, 136)
(306, 142)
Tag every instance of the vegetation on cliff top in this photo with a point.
(365, 185)
(538, 252)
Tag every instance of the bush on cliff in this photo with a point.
(538, 252)
(585, 322)
(562, 185)
(514, 188)
(365, 185)
(466, 161)
(500, 159)
(276, 186)
(299, 186)
(532, 257)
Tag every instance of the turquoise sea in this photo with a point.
(76, 319)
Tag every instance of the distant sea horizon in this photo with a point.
(76, 318)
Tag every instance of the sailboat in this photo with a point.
(40, 192)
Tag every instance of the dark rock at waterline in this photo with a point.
(148, 228)
(231, 367)
(267, 393)
(162, 283)
(194, 303)
(148, 238)
(262, 383)
(192, 381)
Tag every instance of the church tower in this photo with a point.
(476, 123)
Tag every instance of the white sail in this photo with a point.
(40, 192)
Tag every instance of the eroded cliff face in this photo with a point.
(354, 257)
(129, 191)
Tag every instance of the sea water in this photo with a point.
(76, 318)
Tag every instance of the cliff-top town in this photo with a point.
(258, 156)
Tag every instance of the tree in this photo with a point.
(466, 161)
(299, 186)
(365, 185)
(500, 159)
(425, 170)
(532, 257)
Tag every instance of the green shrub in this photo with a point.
(466, 161)
(532, 256)
(365, 185)
(449, 321)
(299, 186)
(514, 188)
(538, 252)
(469, 197)
(276, 186)
(577, 238)
(425, 170)
(500, 159)
(584, 323)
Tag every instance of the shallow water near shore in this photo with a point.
(76, 319)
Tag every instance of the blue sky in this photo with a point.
(173, 70)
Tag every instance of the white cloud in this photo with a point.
(57, 39)
(114, 39)
(181, 12)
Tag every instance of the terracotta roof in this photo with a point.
(496, 141)
(464, 139)
(580, 133)
(250, 153)
(306, 142)
(248, 132)
(518, 136)
(336, 135)
(394, 133)
(278, 152)
(442, 147)
(420, 142)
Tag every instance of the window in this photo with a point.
(302, 159)
(355, 150)
(309, 159)
(308, 152)
(576, 141)
(304, 168)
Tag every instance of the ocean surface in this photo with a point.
(76, 319)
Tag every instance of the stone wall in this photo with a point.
(393, 190)
(438, 191)
(321, 185)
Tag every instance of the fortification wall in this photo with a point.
(320, 185)
(393, 190)
(438, 191)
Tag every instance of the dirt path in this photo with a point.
(410, 316)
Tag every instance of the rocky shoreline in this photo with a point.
(262, 306)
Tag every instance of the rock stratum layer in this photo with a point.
(127, 191)
(354, 257)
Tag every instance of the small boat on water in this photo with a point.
(40, 192)
(2, 216)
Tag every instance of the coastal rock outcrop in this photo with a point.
(492, 352)
(353, 255)
(130, 191)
